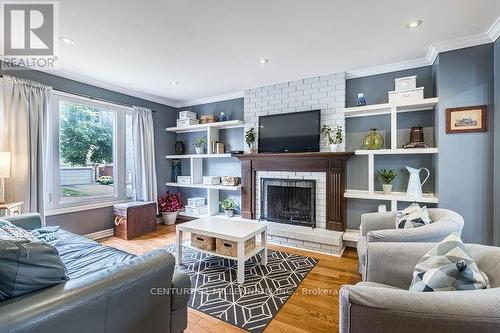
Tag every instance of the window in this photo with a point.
(90, 157)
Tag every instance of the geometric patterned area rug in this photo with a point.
(250, 306)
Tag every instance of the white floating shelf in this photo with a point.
(206, 127)
(398, 151)
(214, 187)
(198, 156)
(395, 196)
(378, 109)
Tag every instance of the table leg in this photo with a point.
(263, 242)
(241, 262)
(178, 247)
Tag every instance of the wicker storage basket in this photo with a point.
(230, 248)
(230, 180)
(205, 119)
(202, 242)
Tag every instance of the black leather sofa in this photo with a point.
(108, 291)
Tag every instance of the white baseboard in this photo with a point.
(100, 234)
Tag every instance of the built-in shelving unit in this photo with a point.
(196, 163)
(392, 110)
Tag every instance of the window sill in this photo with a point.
(67, 210)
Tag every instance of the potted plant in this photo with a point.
(199, 144)
(228, 204)
(387, 176)
(333, 136)
(250, 138)
(169, 206)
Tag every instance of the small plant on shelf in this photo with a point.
(250, 138)
(169, 206)
(199, 144)
(228, 204)
(333, 136)
(387, 176)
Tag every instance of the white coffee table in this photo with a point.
(237, 231)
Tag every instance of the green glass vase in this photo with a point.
(373, 140)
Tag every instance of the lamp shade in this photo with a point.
(4, 164)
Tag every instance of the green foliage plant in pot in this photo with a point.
(387, 176)
(228, 204)
(333, 136)
(199, 144)
(250, 139)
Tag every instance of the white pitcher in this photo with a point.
(414, 185)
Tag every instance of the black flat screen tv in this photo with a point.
(296, 132)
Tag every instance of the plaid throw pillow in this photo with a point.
(448, 266)
(412, 216)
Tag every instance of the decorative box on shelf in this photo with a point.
(230, 180)
(405, 83)
(408, 96)
(133, 219)
(184, 180)
(203, 242)
(207, 118)
(187, 115)
(230, 248)
(211, 180)
(187, 122)
(196, 202)
(196, 210)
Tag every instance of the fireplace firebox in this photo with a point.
(291, 201)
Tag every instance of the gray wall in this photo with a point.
(232, 138)
(376, 89)
(95, 220)
(496, 196)
(465, 161)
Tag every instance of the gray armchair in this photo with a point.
(383, 302)
(381, 227)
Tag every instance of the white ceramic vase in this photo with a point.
(229, 212)
(169, 218)
(334, 147)
(199, 150)
(387, 188)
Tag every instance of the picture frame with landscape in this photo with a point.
(466, 119)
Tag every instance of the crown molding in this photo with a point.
(494, 31)
(397, 66)
(109, 86)
(219, 98)
(462, 42)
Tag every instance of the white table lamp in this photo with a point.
(4, 173)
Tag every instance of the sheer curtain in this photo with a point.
(144, 154)
(23, 132)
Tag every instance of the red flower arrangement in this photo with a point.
(170, 202)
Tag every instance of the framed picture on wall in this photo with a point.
(466, 119)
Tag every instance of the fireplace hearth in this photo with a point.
(290, 201)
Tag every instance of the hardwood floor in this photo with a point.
(314, 307)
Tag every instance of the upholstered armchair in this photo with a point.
(383, 303)
(381, 227)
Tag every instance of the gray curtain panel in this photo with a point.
(144, 154)
(23, 132)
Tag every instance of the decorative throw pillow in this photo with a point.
(412, 216)
(448, 266)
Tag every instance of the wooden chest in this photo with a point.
(133, 219)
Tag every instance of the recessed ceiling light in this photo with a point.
(68, 40)
(414, 23)
(263, 61)
(175, 83)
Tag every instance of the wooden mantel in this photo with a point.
(333, 164)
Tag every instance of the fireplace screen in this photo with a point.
(289, 201)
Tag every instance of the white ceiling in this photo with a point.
(212, 47)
